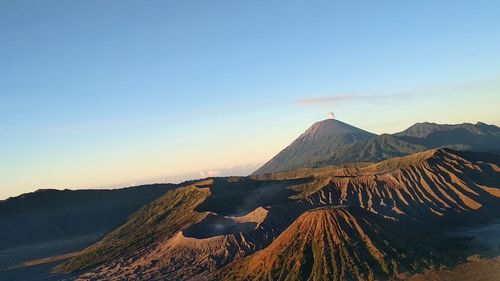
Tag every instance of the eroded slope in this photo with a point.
(202, 228)
(340, 244)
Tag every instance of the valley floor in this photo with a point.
(486, 241)
(17, 263)
(476, 269)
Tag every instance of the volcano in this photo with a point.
(320, 142)
(336, 223)
(333, 142)
(302, 216)
(340, 244)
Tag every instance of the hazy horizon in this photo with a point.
(231, 170)
(95, 96)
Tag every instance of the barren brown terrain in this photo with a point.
(341, 244)
(360, 222)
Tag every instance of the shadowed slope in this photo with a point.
(339, 244)
(319, 142)
(51, 215)
(373, 150)
(466, 136)
(158, 220)
(426, 129)
(203, 247)
(240, 195)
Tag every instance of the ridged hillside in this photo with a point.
(213, 224)
(340, 244)
(193, 209)
(161, 219)
(421, 186)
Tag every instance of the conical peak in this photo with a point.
(321, 139)
(331, 127)
(320, 215)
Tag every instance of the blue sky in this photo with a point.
(111, 93)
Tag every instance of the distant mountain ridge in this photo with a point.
(476, 137)
(332, 142)
(49, 214)
(424, 129)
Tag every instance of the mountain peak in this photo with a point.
(320, 140)
(333, 142)
(330, 127)
(338, 244)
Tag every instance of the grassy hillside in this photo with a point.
(160, 219)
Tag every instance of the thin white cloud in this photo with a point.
(336, 99)
(210, 173)
(229, 170)
(484, 87)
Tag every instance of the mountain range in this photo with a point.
(379, 215)
(333, 142)
(339, 203)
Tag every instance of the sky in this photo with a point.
(102, 94)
